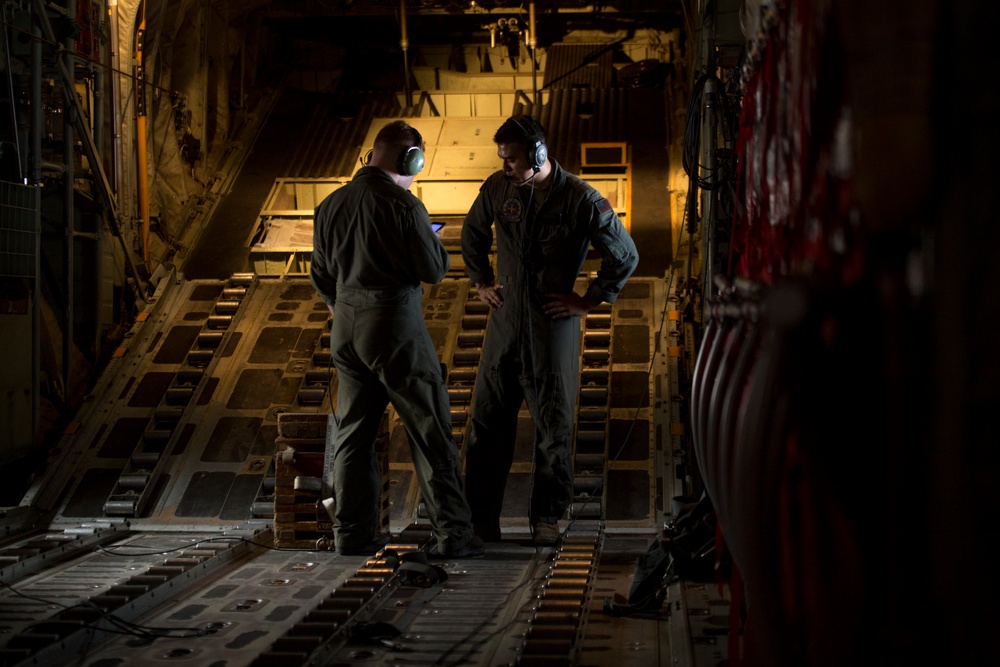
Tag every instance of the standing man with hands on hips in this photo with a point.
(373, 246)
(544, 221)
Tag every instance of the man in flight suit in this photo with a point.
(544, 220)
(372, 248)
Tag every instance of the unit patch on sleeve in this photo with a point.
(604, 206)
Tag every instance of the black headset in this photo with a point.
(536, 152)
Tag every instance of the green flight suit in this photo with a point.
(527, 355)
(372, 248)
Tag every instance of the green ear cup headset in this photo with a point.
(410, 161)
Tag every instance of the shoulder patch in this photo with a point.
(603, 206)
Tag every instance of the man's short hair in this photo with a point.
(521, 129)
(397, 136)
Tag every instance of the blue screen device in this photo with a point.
(437, 227)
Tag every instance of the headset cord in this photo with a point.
(526, 312)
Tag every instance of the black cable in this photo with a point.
(127, 627)
(692, 134)
(108, 550)
(528, 282)
(591, 57)
(120, 625)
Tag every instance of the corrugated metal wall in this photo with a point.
(331, 142)
(579, 66)
(566, 130)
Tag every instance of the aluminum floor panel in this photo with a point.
(242, 603)
(479, 616)
(233, 615)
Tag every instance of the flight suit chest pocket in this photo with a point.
(551, 229)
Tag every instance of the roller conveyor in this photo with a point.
(215, 454)
(134, 491)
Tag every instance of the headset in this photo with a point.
(410, 160)
(536, 152)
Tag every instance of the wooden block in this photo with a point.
(310, 507)
(285, 500)
(301, 526)
(293, 540)
(285, 543)
(302, 424)
(283, 443)
(307, 464)
(300, 450)
(302, 534)
(285, 485)
(285, 519)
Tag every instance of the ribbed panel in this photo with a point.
(566, 130)
(567, 66)
(333, 139)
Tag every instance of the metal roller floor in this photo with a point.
(239, 604)
(151, 537)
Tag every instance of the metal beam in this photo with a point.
(93, 155)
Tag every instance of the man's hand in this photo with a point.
(490, 295)
(570, 304)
